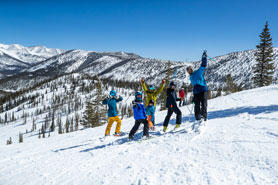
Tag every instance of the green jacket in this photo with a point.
(152, 95)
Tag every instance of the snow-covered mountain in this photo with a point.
(14, 58)
(237, 145)
(128, 67)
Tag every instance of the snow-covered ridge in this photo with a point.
(126, 66)
(26, 54)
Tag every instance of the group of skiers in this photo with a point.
(145, 115)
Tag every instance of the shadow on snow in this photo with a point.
(211, 115)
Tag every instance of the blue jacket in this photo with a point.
(112, 107)
(197, 78)
(139, 111)
(150, 111)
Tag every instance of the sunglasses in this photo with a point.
(139, 96)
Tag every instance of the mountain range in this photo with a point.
(21, 67)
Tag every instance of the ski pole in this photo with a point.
(173, 76)
(211, 59)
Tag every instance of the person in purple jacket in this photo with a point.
(139, 113)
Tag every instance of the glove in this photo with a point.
(163, 81)
(142, 80)
(204, 54)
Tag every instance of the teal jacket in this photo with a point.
(197, 78)
(112, 105)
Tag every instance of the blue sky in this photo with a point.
(172, 30)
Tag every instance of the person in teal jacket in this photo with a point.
(150, 110)
(200, 89)
(112, 101)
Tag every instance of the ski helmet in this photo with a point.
(152, 88)
(151, 101)
(113, 93)
(172, 84)
(138, 96)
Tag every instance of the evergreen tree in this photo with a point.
(71, 125)
(99, 113)
(76, 122)
(88, 115)
(9, 141)
(67, 125)
(59, 121)
(20, 138)
(163, 95)
(43, 131)
(229, 84)
(52, 127)
(264, 69)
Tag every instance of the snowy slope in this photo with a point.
(238, 145)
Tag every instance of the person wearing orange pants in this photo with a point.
(112, 101)
(110, 123)
(150, 110)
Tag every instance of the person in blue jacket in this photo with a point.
(139, 113)
(111, 101)
(200, 89)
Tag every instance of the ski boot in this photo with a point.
(177, 126)
(165, 128)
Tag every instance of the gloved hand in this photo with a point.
(204, 54)
(163, 81)
(142, 80)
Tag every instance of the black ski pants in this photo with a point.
(169, 114)
(201, 102)
(136, 126)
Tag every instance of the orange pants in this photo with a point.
(110, 123)
(149, 118)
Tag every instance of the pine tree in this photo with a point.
(264, 68)
(88, 115)
(20, 138)
(229, 84)
(99, 113)
(71, 125)
(9, 141)
(76, 126)
(163, 95)
(59, 121)
(43, 131)
(67, 125)
(52, 127)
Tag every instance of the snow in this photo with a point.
(30, 55)
(237, 145)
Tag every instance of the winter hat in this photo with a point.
(138, 96)
(172, 84)
(113, 93)
(151, 101)
(152, 87)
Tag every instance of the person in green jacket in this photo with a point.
(151, 92)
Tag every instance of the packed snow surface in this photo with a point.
(237, 145)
